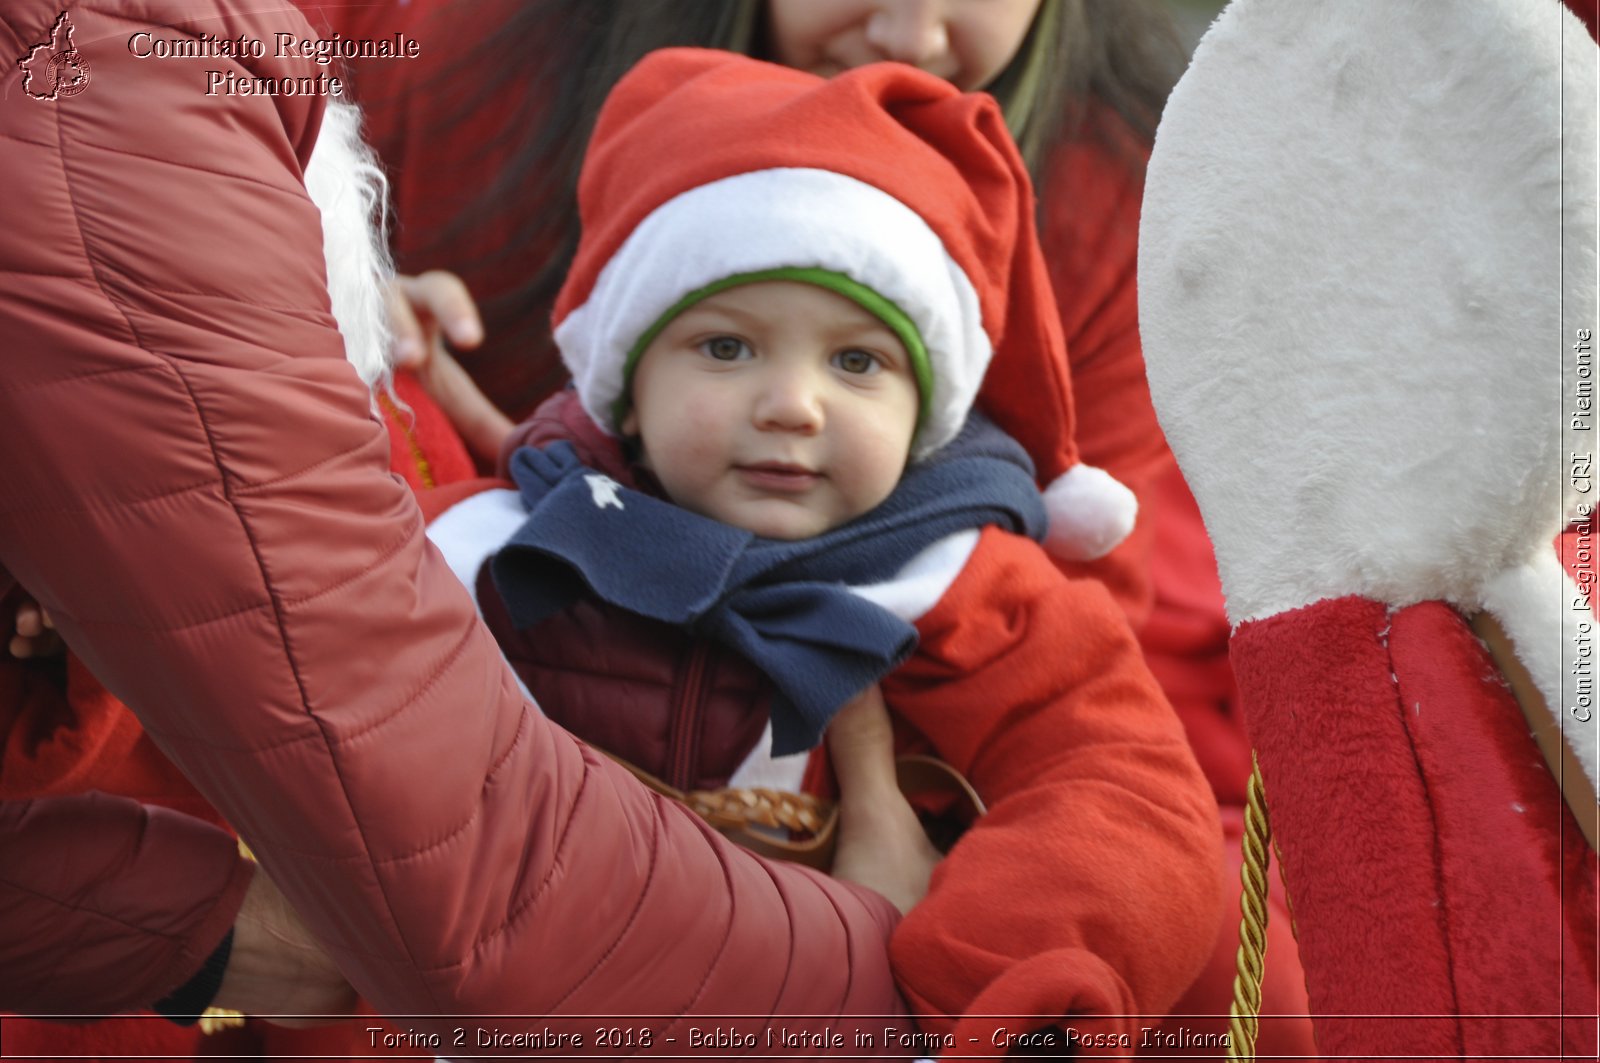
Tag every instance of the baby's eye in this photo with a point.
(856, 361)
(726, 348)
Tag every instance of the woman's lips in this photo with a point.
(778, 477)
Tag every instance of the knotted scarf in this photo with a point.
(782, 604)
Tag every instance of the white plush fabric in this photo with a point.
(1354, 309)
(1368, 245)
(774, 218)
(346, 183)
(922, 581)
(1534, 604)
(1090, 511)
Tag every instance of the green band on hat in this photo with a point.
(899, 323)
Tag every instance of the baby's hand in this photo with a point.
(33, 635)
(881, 842)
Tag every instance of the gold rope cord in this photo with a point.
(215, 1020)
(1244, 1012)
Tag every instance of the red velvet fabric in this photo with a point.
(1444, 895)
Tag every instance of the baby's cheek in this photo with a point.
(880, 460)
(888, 437)
(696, 441)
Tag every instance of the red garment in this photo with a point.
(62, 733)
(1091, 788)
(424, 448)
(121, 916)
(1029, 684)
(1185, 640)
(1419, 945)
(198, 494)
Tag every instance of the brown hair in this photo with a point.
(1087, 70)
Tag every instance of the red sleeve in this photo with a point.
(1090, 232)
(197, 491)
(107, 905)
(1032, 686)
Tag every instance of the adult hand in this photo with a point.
(425, 311)
(881, 843)
(277, 970)
(33, 633)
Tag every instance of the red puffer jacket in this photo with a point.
(62, 733)
(196, 490)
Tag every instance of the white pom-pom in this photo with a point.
(1090, 513)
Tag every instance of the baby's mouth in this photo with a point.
(779, 476)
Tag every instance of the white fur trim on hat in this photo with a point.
(768, 219)
(1090, 513)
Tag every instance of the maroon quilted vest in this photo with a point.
(684, 709)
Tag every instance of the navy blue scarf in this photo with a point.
(780, 603)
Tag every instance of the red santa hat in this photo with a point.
(708, 168)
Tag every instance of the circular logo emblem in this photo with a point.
(70, 72)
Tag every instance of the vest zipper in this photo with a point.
(688, 713)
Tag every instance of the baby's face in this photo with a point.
(778, 407)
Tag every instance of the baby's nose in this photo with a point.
(790, 400)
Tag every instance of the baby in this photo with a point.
(768, 491)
